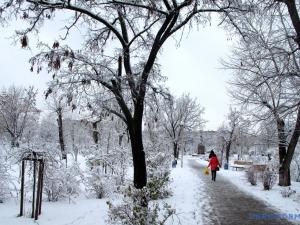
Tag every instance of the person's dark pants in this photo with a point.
(213, 175)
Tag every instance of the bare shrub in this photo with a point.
(99, 183)
(269, 178)
(287, 192)
(252, 176)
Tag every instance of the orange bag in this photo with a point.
(206, 171)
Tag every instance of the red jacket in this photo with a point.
(213, 163)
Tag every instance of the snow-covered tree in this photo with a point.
(17, 110)
(180, 115)
(266, 80)
(228, 131)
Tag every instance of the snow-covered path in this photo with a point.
(189, 197)
(230, 206)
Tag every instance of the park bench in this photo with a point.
(241, 164)
(259, 167)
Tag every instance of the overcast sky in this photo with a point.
(193, 67)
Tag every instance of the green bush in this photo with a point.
(157, 186)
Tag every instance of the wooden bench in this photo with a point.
(259, 167)
(241, 164)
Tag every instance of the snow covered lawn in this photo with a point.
(272, 197)
(188, 199)
(81, 212)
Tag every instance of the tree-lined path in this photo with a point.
(230, 205)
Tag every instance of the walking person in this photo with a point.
(213, 164)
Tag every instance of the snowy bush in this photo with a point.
(137, 206)
(287, 192)
(252, 176)
(136, 209)
(61, 182)
(99, 183)
(4, 180)
(158, 176)
(105, 173)
(269, 178)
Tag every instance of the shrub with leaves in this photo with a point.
(137, 209)
(287, 192)
(157, 186)
(269, 178)
(158, 176)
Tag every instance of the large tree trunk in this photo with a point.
(284, 173)
(284, 177)
(138, 154)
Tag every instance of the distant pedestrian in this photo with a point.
(213, 164)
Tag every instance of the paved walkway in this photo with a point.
(232, 206)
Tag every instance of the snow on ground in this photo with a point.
(272, 197)
(78, 212)
(188, 199)
(188, 196)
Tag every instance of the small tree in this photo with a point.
(269, 178)
(252, 176)
(228, 132)
(17, 108)
(179, 116)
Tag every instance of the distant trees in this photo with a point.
(17, 109)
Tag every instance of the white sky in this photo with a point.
(193, 68)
